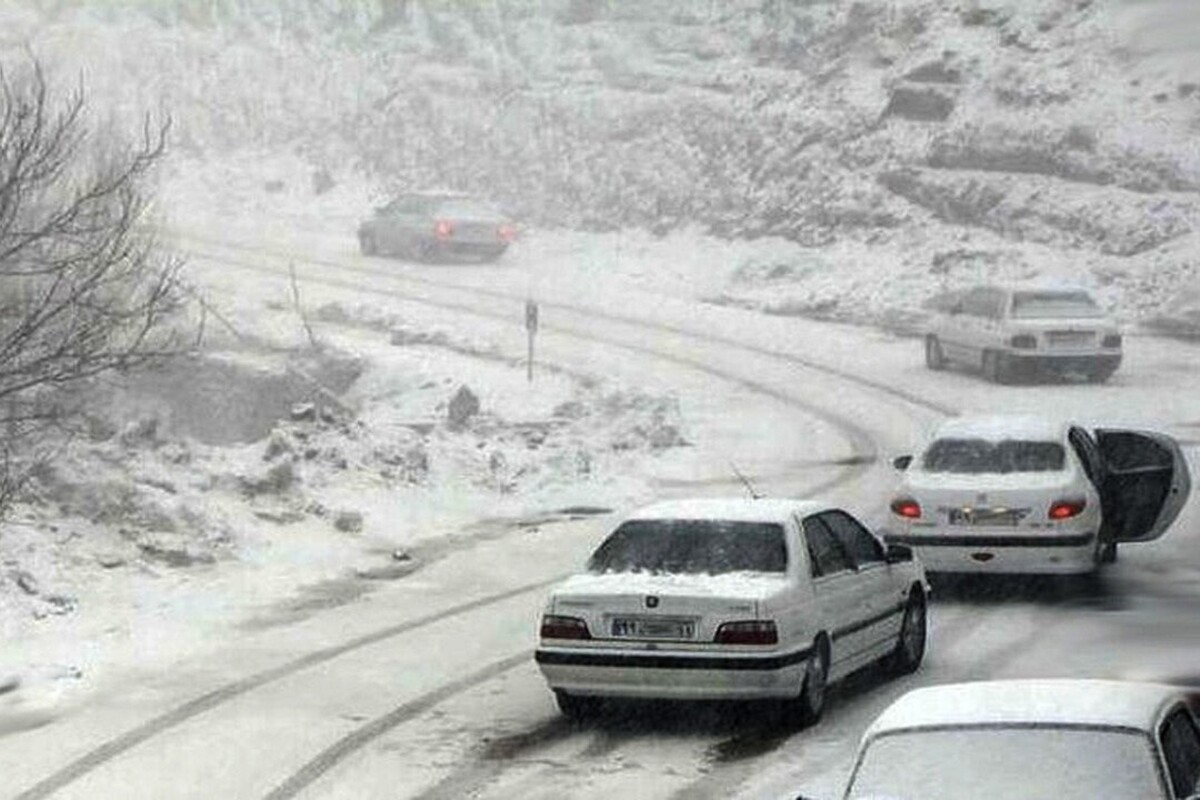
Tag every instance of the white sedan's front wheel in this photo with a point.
(914, 631)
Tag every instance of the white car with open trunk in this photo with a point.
(1026, 494)
(1031, 739)
(734, 599)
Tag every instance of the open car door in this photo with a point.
(1145, 484)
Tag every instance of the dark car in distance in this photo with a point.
(435, 226)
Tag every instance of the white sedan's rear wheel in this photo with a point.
(574, 706)
(934, 357)
(807, 708)
(366, 242)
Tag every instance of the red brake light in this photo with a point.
(1065, 509)
(507, 232)
(906, 507)
(556, 627)
(443, 229)
(747, 632)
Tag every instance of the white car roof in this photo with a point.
(741, 509)
(994, 427)
(1055, 701)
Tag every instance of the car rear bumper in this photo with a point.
(1066, 362)
(1067, 553)
(677, 676)
(470, 248)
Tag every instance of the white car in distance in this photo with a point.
(737, 599)
(1031, 739)
(1030, 495)
(1011, 333)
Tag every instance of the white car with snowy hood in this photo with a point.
(1026, 494)
(1033, 740)
(734, 599)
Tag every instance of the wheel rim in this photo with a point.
(913, 636)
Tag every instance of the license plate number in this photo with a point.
(1007, 517)
(639, 628)
(1069, 338)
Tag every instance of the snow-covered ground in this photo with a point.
(302, 479)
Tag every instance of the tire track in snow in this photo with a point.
(193, 708)
(481, 772)
(328, 758)
(865, 455)
(597, 313)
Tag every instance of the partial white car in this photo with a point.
(1027, 494)
(1009, 333)
(735, 599)
(1033, 740)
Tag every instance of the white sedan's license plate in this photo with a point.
(1000, 517)
(650, 628)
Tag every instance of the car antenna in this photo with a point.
(745, 482)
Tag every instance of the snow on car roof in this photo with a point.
(1055, 701)
(742, 509)
(994, 427)
(1050, 284)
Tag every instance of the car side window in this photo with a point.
(825, 553)
(863, 548)
(981, 302)
(1089, 456)
(1181, 748)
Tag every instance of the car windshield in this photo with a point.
(1004, 762)
(1034, 305)
(710, 547)
(980, 455)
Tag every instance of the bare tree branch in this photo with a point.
(83, 291)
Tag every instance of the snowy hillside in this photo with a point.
(938, 142)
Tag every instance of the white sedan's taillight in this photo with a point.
(558, 627)
(753, 631)
(906, 507)
(1066, 509)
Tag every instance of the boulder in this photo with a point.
(463, 405)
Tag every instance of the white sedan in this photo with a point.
(1019, 494)
(732, 599)
(1034, 740)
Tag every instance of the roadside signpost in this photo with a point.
(531, 326)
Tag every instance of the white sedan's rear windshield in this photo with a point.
(1008, 763)
(1040, 305)
(711, 547)
(971, 456)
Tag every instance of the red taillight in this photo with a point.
(556, 627)
(443, 229)
(756, 631)
(906, 507)
(1065, 509)
(506, 233)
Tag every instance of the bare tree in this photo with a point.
(83, 290)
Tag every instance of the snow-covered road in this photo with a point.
(425, 688)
